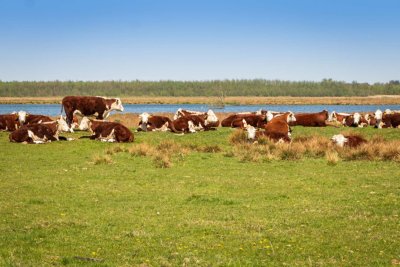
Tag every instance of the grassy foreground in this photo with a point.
(65, 202)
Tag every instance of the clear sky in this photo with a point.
(200, 40)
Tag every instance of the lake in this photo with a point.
(54, 109)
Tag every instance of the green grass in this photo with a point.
(207, 209)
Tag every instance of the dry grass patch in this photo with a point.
(102, 159)
(332, 157)
(238, 137)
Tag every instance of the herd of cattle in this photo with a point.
(30, 128)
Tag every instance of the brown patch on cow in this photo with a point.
(311, 119)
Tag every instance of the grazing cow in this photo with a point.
(391, 120)
(109, 131)
(348, 140)
(209, 117)
(40, 133)
(277, 129)
(311, 119)
(97, 106)
(9, 122)
(155, 123)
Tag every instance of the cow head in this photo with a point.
(85, 124)
(117, 105)
(62, 125)
(251, 132)
(291, 117)
(378, 118)
(356, 118)
(22, 115)
(211, 117)
(388, 111)
(144, 117)
(269, 116)
(332, 116)
(339, 139)
(178, 114)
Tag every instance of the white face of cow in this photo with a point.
(339, 139)
(84, 125)
(117, 105)
(177, 114)
(251, 132)
(144, 117)
(291, 117)
(63, 125)
(357, 118)
(211, 117)
(378, 117)
(367, 117)
(269, 116)
(388, 111)
(22, 116)
(332, 116)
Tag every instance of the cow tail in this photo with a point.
(172, 127)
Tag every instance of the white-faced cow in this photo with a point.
(348, 140)
(150, 122)
(209, 117)
(97, 106)
(40, 133)
(109, 131)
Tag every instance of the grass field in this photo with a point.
(65, 203)
(230, 100)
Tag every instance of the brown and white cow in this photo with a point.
(338, 117)
(27, 118)
(9, 122)
(189, 124)
(97, 106)
(277, 129)
(256, 120)
(150, 122)
(40, 133)
(348, 140)
(209, 117)
(109, 131)
(391, 120)
(355, 120)
(311, 119)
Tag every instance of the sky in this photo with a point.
(346, 40)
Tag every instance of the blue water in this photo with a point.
(54, 109)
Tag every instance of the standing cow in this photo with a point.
(97, 106)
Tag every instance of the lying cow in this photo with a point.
(109, 131)
(97, 106)
(155, 123)
(9, 122)
(348, 140)
(391, 120)
(277, 129)
(209, 117)
(40, 133)
(311, 119)
(338, 117)
(356, 120)
(25, 118)
(189, 124)
(255, 120)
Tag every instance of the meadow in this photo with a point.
(204, 199)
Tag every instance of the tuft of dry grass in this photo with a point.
(102, 159)
(141, 150)
(115, 149)
(332, 157)
(238, 137)
(162, 160)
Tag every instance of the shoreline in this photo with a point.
(232, 100)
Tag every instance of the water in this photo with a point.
(54, 109)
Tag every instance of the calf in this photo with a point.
(9, 122)
(97, 106)
(348, 140)
(311, 119)
(109, 131)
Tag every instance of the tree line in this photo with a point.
(256, 87)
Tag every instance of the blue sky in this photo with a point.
(200, 40)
